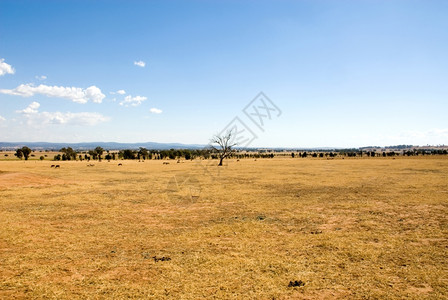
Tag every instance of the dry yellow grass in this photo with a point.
(352, 228)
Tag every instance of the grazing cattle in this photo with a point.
(163, 258)
(52, 166)
(120, 164)
(166, 163)
(90, 165)
(57, 166)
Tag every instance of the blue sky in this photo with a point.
(343, 73)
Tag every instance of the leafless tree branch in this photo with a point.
(223, 145)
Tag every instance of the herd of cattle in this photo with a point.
(89, 165)
(119, 164)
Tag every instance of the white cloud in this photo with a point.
(74, 94)
(82, 118)
(414, 134)
(435, 133)
(140, 63)
(120, 92)
(6, 68)
(435, 136)
(155, 110)
(133, 101)
(36, 118)
(93, 93)
(438, 132)
(2, 119)
(30, 109)
(42, 77)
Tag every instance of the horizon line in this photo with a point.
(247, 147)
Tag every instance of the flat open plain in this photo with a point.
(345, 228)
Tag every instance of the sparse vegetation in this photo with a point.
(278, 228)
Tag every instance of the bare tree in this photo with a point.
(224, 145)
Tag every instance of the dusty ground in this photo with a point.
(352, 228)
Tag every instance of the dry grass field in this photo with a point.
(352, 228)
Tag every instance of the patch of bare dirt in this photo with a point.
(338, 223)
(320, 295)
(421, 290)
(14, 179)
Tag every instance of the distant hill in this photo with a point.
(166, 146)
(105, 145)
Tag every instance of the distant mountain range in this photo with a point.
(104, 145)
(166, 146)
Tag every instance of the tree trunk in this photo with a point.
(220, 161)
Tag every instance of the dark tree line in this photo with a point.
(362, 153)
(23, 152)
(69, 154)
(313, 154)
